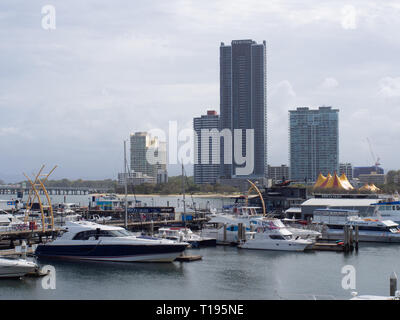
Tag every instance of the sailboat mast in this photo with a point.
(183, 194)
(126, 188)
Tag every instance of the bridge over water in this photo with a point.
(5, 189)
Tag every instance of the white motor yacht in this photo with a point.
(370, 230)
(9, 222)
(13, 268)
(86, 240)
(272, 234)
(186, 235)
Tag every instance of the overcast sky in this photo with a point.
(70, 96)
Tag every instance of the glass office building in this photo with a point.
(314, 143)
(243, 103)
(206, 148)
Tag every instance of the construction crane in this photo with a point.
(374, 158)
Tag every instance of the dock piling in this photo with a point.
(152, 227)
(393, 284)
(356, 238)
(225, 232)
(240, 230)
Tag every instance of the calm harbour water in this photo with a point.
(223, 273)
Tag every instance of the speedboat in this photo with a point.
(272, 234)
(86, 240)
(13, 268)
(186, 235)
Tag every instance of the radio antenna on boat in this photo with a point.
(183, 193)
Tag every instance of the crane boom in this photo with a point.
(374, 158)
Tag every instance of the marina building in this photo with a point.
(243, 103)
(362, 205)
(135, 178)
(206, 148)
(314, 143)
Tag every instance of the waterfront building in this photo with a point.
(314, 143)
(362, 205)
(135, 178)
(243, 103)
(278, 173)
(206, 148)
(278, 199)
(347, 169)
(367, 170)
(373, 177)
(148, 154)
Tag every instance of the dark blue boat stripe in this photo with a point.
(106, 250)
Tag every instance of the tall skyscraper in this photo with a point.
(206, 167)
(314, 143)
(243, 103)
(141, 144)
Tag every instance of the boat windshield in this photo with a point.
(85, 235)
(280, 237)
(119, 233)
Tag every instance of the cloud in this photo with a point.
(114, 68)
(389, 87)
(329, 83)
(349, 17)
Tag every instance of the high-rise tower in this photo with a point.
(243, 103)
(314, 143)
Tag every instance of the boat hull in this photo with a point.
(116, 253)
(15, 269)
(203, 243)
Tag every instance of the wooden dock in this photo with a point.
(29, 234)
(13, 252)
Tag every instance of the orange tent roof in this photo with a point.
(324, 184)
(320, 180)
(345, 182)
(333, 182)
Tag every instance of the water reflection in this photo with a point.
(106, 268)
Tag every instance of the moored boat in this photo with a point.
(90, 241)
(14, 268)
(186, 235)
(272, 234)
